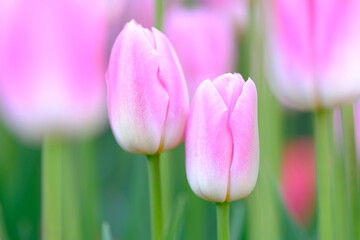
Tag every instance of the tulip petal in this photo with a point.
(230, 87)
(315, 52)
(208, 144)
(172, 78)
(245, 163)
(138, 102)
(338, 64)
(289, 47)
(293, 86)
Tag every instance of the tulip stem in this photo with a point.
(166, 184)
(223, 225)
(159, 7)
(155, 195)
(324, 168)
(60, 207)
(351, 168)
(51, 190)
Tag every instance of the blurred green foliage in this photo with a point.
(121, 179)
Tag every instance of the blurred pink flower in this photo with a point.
(298, 180)
(315, 52)
(51, 65)
(237, 10)
(147, 95)
(204, 41)
(222, 142)
(142, 11)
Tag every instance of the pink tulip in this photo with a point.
(51, 65)
(222, 143)
(147, 94)
(315, 52)
(204, 41)
(298, 180)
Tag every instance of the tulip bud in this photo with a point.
(315, 52)
(147, 93)
(51, 66)
(222, 143)
(208, 51)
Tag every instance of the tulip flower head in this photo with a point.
(315, 52)
(147, 94)
(51, 66)
(222, 143)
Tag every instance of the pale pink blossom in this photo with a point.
(52, 65)
(147, 93)
(222, 143)
(315, 52)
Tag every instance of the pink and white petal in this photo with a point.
(330, 19)
(208, 144)
(172, 78)
(292, 85)
(229, 86)
(138, 101)
(292, 24)
(244, 128)
(289, 54)
(339, 76)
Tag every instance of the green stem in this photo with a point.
(262, 205)
(223, 217)
(157, 213)
(61, 217)
(89, 189)
(167, 184)
(51, 190)
(351, 169)
(70, 195)
(155, 196)
(159, 14)
(324, 168)
(340, 204)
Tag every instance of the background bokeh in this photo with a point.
(111, 184)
